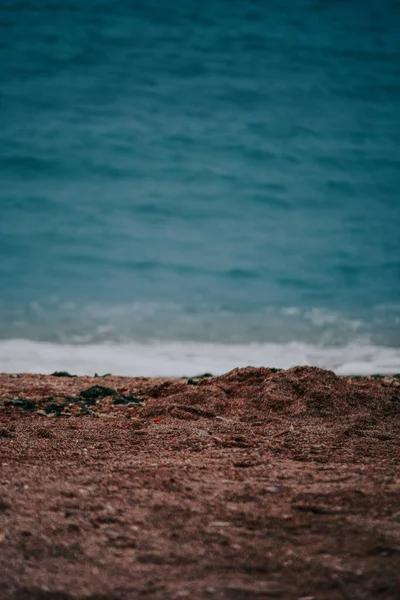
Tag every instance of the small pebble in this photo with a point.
(220, 524)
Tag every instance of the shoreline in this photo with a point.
(255, 484)
(162, 358)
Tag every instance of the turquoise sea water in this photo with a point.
(186, 183)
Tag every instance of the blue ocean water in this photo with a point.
(199, 185)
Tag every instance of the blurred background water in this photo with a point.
(198, 185)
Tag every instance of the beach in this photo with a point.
(188, 188)
(258, 483)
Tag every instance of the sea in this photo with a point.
(189, 187)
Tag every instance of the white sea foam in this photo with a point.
(189, 358)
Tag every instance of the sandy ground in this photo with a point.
(254, 485)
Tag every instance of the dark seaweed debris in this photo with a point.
(21, 403)
(96, 392)
(62, 374)
(53, 407)
(128, 399)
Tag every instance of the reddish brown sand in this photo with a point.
(253, 485)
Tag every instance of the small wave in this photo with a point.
(161, 358)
